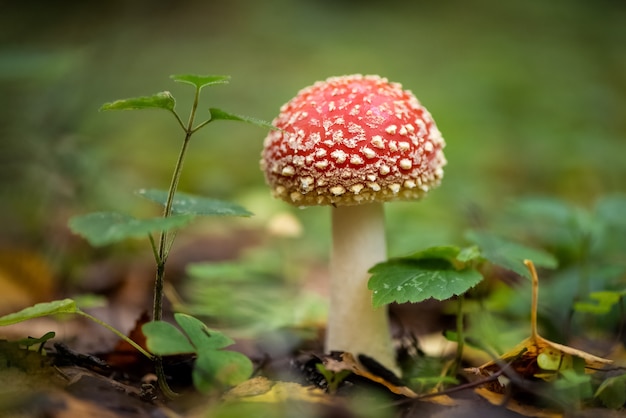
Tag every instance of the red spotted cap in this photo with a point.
(351, 140)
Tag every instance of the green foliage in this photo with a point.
(612, 392)
(200, 81)
(30, 341)
(333, 379)
(41, 309)
(103, 228)
(406, 280)
(572, 387)
(162, 100)
(509, 255)
(218, 114)
(603, 302)
(249, 294)
(446, 271)
(187, 204)
(213, 365)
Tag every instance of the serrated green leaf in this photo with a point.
(510, 255)
(203, 338)
(218, 114)
(40, 309)
(187, 204)
(403, 280)
(612, 392)
(227, 368)
(200, 81)
(163, 339)
(103, 228)
(161, 100)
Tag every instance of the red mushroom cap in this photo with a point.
(350, 140)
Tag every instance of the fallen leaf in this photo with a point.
(534, 357)
(347, 361)
(261, 389)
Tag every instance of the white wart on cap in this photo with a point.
(351, 140)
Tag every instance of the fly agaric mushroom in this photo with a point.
(354, 142)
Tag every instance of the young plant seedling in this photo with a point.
(179, 209)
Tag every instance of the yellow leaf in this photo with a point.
(261, 389)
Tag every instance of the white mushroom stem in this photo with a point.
(353, 323)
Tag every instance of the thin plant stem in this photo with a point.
(535, 300)
(118, 333)
(166, 240)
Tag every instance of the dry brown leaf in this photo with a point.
(534, 357)
(349, 363)
(526, 356)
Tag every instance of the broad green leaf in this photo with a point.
(218, 114)
(40, 309)
(510, 255)
(187, 204)
(228, 368)
(203, 338)
(200, 81)
(162, 100)
(612, 392)
(402, 280)
(163, 339)
(102, 228)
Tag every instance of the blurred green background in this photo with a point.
(529, 95)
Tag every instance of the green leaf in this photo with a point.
(187, 204)
(203, 338)
(200, 81)
(404, 280)
(510, 255)
(604, 301)
(228, 368)
(30, 341)
(163, 339)
(218, 114)
(161, 100)
(102, 228)
(40, 309)
(612, 392)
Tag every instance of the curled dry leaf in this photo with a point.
(347, 361)
(535, 357)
